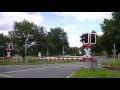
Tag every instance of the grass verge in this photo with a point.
(113, 63)
(99, 73)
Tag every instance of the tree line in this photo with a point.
(38, 40)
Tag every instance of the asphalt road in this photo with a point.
(40, 71)
(62, 70)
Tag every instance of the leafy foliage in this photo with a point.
(111, 29)
(38, 39)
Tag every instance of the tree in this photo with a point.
(111, 30)
(56, 40)
(3, 40)
(22, 31)
(74, 51)
(40, 43)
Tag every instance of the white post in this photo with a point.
(63, 50)
(114, 51)
(87, 56)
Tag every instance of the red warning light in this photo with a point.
(93, 38)
(93, 35)
(10, 46)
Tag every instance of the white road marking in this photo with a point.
(69, 75)
(17, 65)
(41, 68)
(3, 75)
(87, 66)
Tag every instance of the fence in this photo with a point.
(11, 59)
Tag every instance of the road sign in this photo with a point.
(87, 51)
(8, 54)
(39, 54)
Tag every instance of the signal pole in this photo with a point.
(47, 52)
(26, 59)
(63, 51)
(3, 54)
(114, 51)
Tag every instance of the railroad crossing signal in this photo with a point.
(93, 38)
(114, 53)
(88, 38)
(10, 46)
(114, 50)
(87, 51)
(8, 54)
(85, 38)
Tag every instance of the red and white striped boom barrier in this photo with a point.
(57, 58)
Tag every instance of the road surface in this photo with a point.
(62, 70)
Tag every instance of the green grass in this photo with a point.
(99, 73)
(1, 58)
(31, 61)
(113, 63)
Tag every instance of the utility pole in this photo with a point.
(26, 59)
(114, 51)
(63, 51)
(3, 54)
(3, 46)
(47, 52)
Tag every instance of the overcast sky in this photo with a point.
(74, 23)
